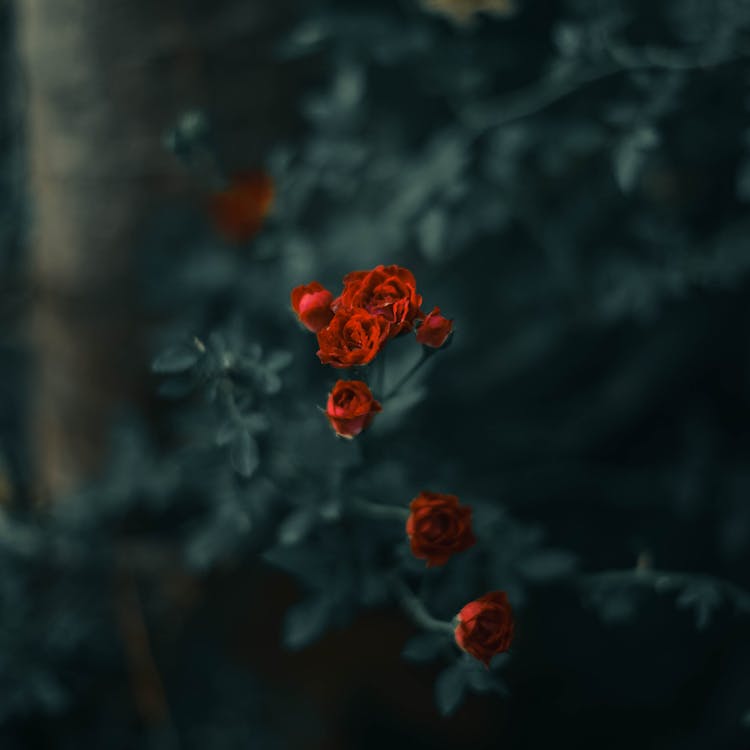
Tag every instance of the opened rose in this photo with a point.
(438, 527)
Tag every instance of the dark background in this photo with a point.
(569, 181)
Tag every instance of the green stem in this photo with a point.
(426, 354)
(381, 512)
(416, 609)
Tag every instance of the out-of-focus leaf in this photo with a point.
(546, 565)
(244, 453)
(630, 156)
(450, 687)
(296, 526)
(178, 358)
(703, 597)
(305, 621)
(423, 647)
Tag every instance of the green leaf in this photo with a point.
(481, 680)
(450, 688)
(296, 526)
(244, 453)
(305, 621)
(546, 565)
(178, 358)
(423, 647)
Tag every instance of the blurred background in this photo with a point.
(569, 181)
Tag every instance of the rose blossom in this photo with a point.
(485, 626)
(434, 330)
(353, 337)
(312, 303)
(438, 527)
(240, 209)
(389, 292)
(351, 407)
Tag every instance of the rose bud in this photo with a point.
(438, 527)
(434, 330)
(312, 303)
(389, 292)
(240, 209)
(353, 337)
(351, 407)
(485, 626)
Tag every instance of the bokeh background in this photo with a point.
(569, 181)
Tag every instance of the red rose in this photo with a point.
(387, 291)
(351, 407)
(353, 337)
(434, 330)
(438, 527)
(485, 626)
(312, 303)
(239, 210)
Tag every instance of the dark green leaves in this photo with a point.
(465, 675)
(177, 359)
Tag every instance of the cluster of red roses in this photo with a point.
(373, 307)
(352, 329)
(439, 527)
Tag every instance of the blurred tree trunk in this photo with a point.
(104, 79)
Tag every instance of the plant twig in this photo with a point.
(379, 511)
(416, 610)
(426, 354)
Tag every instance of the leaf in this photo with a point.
(300, 562)
(630, 156)
(704, 597)
(226, 433)
(278, 360)
(244, 454)
(481, 680)
(423, 647)
(178, 358)
(305, 621)
(296, 526)
(449, 688)
(546, 565)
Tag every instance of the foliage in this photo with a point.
(571, 183)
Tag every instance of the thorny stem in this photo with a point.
(426, 354)
(383, 512)
(416, 610)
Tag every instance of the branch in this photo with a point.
(661, 581)
(416, 610)
(381, 512)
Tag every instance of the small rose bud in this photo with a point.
(434, 330)
(239, 210)
(485, 626)
(351, 407)
(438, 527)
(312, 303)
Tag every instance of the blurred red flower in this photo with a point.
(485, 626)
(351, 407)
(238, 211)
(438, 527)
